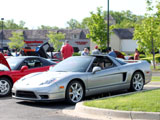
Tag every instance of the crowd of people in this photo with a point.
(67, 51)
(6, 53)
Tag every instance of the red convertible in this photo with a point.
(13, 68)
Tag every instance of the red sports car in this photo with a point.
(13, 68)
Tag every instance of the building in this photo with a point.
(122, 40)
(32, 38)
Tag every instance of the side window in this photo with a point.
(97, 62)
(108, 63)
(103, 62)
(33, 63)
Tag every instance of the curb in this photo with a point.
(83, 111)
(116, 114)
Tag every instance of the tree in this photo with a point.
(126, 16)
(10, 24)
(54, 39)
(17, 41)
(43, 27)
(73, 24)
(98, 29)
(147, 33)
(85, 22)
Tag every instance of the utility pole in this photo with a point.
(2, 32)
(108, 26)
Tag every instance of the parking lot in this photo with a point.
(12, 109)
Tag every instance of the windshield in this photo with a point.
(14, 62)
(3, 68)
(73, 64)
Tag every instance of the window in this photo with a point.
(103, 62)
(33, 63)
(75, 36)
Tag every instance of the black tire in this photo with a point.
(5, 86)
(137, 82)
(74, 92)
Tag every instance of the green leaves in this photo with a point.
(73, 24)
(17, 40)
(54, 39)
(98, 28)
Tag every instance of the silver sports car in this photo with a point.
(80, 76)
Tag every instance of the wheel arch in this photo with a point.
(8, 77)
(140, 72)
(77, 79)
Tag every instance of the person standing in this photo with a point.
(96, 51)
(112, 53)
(136, 55)
(85, 52)
(67, 50)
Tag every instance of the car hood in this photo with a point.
(37, 79)
(4, 61)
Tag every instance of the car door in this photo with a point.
(34, 65)
(109, 76)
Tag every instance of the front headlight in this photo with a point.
(48, 82)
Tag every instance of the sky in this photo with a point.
(57, 12)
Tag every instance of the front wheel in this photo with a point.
(74, 92)
(137, 82)
(5, 86)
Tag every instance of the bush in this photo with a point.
(157, 58)
(123, 53)
(149, 59)
(142, 56)
(76, 54)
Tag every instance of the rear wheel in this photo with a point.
(74, 92)
(137, 82)
(5, 86)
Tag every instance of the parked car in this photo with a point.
(13, 68)
(79, 76)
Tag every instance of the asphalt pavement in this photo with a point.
(155, 73)
(11, 109)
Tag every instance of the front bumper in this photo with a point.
(30, 95)
(38, 94)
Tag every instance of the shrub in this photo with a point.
(142, 56)
(76, 54)
(149, 59)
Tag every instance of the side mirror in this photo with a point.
(23, 68)
(96, 69)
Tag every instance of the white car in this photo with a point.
(76, 77)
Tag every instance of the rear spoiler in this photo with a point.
(132, 61)
(135, 61)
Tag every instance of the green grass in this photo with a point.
(148, 101)
(155, 79)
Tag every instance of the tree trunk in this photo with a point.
(153, 52)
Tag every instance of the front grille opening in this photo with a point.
(44, 96)
(25, 94)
